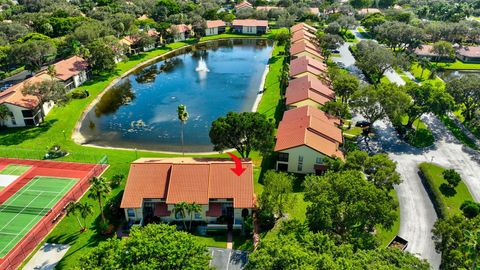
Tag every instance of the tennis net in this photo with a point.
(24, 210)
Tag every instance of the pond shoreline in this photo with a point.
(79, 139)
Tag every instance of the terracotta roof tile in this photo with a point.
(302, 35)
(243, 4)
(469, 51)
(425, 50)
(302, 128)
(188, 179)
(292, 114)
(303, 26)
(250, 22)
(14, 95)
(268, 8)
(70, 67)
(215, 23)
(306, 64)
(312, 83)
(305, 46)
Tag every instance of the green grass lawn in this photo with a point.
(385, 236)
(459, 65)
(416, 71)
(60, 122)
(421, 136)
(449, 200)
(365, 34)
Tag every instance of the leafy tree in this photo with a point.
(329, 42)
(99, 188)
(333, 28)
(345, 86)
(346, 22)
(443, 49)
(181, 208)
(277, 195)
(465, 90)
(192, 209)
(346, 205)
(399, 36)
(292, 246)
(246, 131)
(50, 90)
(361, 3)
(452, 177)
(367, 102)
(470, 209)
(34, 54)
(182, 117)
(374, 60)
(427, 99)
(452, 240)
(286, 20)
(150, 247)
(371, 21)
(5, 113)
(336, 108)
(394, 101)
(100, 56)
(82, 209)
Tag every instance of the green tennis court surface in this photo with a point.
(20, 213)
(13, 169)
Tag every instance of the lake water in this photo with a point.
(140, 111)
(447, 75)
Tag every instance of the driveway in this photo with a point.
(228, 259)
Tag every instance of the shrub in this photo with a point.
(349, 35)
(79, 94)
(428, 182)
(452, 177)
(116, 180)
(470, 209)
(55, 152)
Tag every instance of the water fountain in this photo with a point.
(202, 66)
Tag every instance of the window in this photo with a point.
(179, 215)
(319, 160)
(300, 163)
(27, 113)
(198, 216)
(283, 157)
(131, 212)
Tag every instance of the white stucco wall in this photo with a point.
(18, 116)
(309, 159)
(80, 78)
(211, 31)
(249, 29)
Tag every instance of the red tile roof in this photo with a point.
(250, 22)
(308, 87)
(293, 114)
(183, 27)
(314, 10)
(303, 35)
(303, 26)
(469, 51)
(188, 179)
(305, 64)
(243, 4)
(369, 10)
(14, 96)
(215, 23)
(302, 129)
(305, 46)
(70, 67)
(425, 50)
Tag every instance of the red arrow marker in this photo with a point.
(238, 170)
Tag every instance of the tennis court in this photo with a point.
(22, 211)
(15, 169)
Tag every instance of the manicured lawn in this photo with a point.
(385, 236)
(58, 128)
(459, 65)
(448, 200)
(416, 70)
(421, 136)
(365, 34)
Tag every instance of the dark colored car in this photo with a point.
(362, 124)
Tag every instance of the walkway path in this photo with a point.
(47, 257)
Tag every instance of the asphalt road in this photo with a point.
(228, 259)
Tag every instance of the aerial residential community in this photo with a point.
(240, 134)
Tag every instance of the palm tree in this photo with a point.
(183, 117)
(99, 189)
(193, 208)
(82, 209)
(424, 63)
(182, 208)
(4, 114)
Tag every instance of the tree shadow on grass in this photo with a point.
(447, 190)
(15, 136)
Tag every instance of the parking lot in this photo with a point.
(228, 259)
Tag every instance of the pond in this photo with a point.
(447, 75)
(140, 110)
